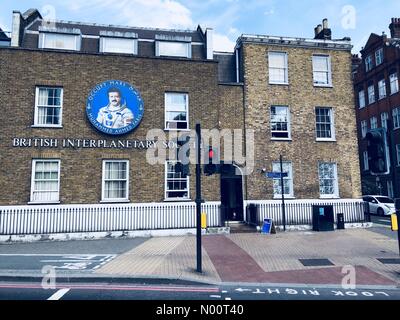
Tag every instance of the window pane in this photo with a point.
(59, 41)
(116, 176)
(324, 123)
(176, 186)
(45, 181)
(277, 67)
(327, 179)
(175, 49)
(119, 45)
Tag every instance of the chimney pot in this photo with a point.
(325, 23)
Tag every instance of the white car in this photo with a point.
(380, 205)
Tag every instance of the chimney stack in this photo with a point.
(322, 32)
(395, 28)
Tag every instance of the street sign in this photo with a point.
(277, 175)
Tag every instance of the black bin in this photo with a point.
(253, 210)
(323, 219)
(340, 221)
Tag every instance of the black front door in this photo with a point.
(231, 194)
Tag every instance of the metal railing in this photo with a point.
(28, 220)
(300, 212)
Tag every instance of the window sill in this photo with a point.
(279, 83)
(329, 197)
(177, 200)
(325, 140)
(323, 85)
(115, 201)
(44, 202)
(46, 127)
(184, 130)
(279, 197)
(281, 139)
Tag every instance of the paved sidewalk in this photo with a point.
(257, 258)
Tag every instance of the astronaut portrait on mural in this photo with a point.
(115, 115)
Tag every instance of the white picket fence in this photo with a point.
(299, 212)
(24, 220)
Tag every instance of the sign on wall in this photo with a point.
(114, 107)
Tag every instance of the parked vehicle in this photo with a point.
(380, 205)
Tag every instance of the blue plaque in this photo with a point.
(114, 107)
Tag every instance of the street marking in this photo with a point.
(59, 294)
(219, 297)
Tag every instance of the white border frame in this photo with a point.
(286, 83)
(289, 138)
(42, 41)
(165, 111)
(287, 196)
(336, 195)
(114, 200)
(166, 199)
(104, 39)
(333, 131)
(35, 117)
(330, 83)
(33, 170)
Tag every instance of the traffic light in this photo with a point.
(212, 166)
(182, 156)
(378, 157)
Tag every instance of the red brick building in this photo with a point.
(376, 84)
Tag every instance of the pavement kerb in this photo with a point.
(159, 280)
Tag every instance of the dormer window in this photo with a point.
(118, 42)
(59, 38)
(173, 46)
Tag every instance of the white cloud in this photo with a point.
(223, 43)
(143, 13)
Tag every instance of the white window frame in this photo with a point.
(333, 133)
(335, 185)
(361, 99)
(160, 53)
(43, 35)
(166, 121)
(394, 83)
(382, 89)
(396, 118)
(34, 162)
(166, 198)
(289, 177)
(379, 57)
(371, 94)
(368, 63)
(288, 124)
(366, 163)
(103, 45)
(364, 128)
(103, 182)
(384, 119)
(285, 68)
(374, 123)
(36, 115)
(327, 72)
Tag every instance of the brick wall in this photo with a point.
(21, 70)
(302, 98)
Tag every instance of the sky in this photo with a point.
(356, 19)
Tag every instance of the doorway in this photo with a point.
(231, 193)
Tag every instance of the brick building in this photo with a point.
(296, 94)
(378, 105)
(298, 99)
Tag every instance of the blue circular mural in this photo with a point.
(114, 107)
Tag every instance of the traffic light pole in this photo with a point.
(198, 197)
